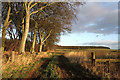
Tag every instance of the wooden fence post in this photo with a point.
(108, 66)
(93, 58)
(13, 56)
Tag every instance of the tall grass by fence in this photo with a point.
(103, 65)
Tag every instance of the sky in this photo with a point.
(97, 25)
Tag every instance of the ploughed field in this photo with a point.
(70, 64)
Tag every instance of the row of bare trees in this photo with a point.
(38, 22)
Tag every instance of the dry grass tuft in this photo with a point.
(78, 56)
(83, 57)
(20, 61)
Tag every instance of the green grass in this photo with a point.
(50, 71)
(15, 71)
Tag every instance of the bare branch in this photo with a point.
(10, 34)
(30, 2)
(9, 21)
(34, 12)
(40, 33)
(47, 36)
(32, 6)
(41, 8)
(36, 24)
(45, 12)
(32, 19)
(25, 6)
(23, 25)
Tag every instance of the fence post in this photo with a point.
(93, 58)
(108, 66)
(13, 56)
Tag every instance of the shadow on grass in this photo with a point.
(75, 70)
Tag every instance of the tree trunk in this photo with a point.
(41, 44)
(34, 39)
(24, 37)
(42, 36)
(3, 38)
(22, 26)
(31, 36)
(5, 26)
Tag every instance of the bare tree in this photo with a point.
(5, 25)
(28, 7)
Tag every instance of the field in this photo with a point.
(69, 64)
(102, 57)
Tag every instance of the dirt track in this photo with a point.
(66, 69)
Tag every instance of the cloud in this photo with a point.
(101, 18)
(109, 43)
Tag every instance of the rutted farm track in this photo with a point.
(58, 66)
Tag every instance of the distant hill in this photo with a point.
(81, 47)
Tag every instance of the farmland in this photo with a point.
(62, 64)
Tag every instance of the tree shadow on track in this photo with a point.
(75, 70)
(43, 67)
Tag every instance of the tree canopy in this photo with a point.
(37, 22)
